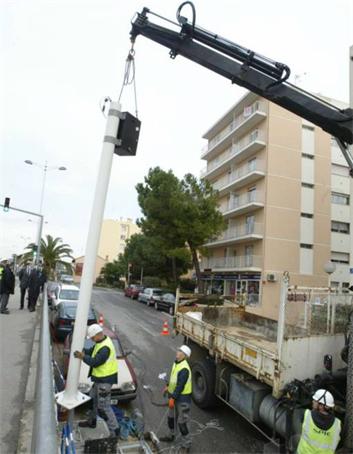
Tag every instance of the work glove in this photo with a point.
(171, 403)
(78, 354)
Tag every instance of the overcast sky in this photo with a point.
(60, 57)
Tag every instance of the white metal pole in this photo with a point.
(40, 230)
(71, 397)
(282, 313)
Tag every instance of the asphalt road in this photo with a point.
(218, 431)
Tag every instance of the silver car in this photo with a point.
(150, 296)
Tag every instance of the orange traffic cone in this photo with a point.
(165, 330)
(101, 320)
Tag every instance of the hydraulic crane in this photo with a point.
(248, 69)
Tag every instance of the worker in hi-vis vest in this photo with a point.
(104, 373)
(179, 399)
(320, 429)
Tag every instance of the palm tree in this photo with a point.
(53, 251)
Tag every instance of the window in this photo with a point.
(339, 199)
(249, 250)
(308, 141)
(307, 215)
(339, 257)
(252, 194)
(307, 185)
(249, 225)
(334, 142)
(252, 165)
(306, 246)
(123, 237)
(340, 227)
(308, 128)
(253, 135)
(123, 227)
(309, 156)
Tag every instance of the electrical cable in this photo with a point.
(129, 77)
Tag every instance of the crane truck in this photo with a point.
(266, 370)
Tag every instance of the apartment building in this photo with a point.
(285, 193)
(114, 234)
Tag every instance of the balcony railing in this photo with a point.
(235, 124)
(240, 231)
(241, 172)
(243, 200)
(236, 262)
(236, 149)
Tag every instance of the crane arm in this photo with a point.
(257, 73)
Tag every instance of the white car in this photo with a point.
(67, 293)
(150, 296)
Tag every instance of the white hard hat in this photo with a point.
(93, 330)
(322, 396)
(186, 350)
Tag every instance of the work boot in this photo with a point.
(90, 424)
(167, 438)
(184, 450)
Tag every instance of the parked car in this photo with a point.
(62, 319)
(67, 279)
(126, 389)
(66, 293)
(133, 290)
(166, 302)
(150, 295)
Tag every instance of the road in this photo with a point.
(218, 431)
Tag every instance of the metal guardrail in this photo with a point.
(44, 438)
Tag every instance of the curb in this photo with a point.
(27, 417)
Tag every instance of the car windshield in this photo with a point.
(89, 344)
(71, 295)
(157, 292)
(69, 311)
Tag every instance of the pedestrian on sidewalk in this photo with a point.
(34, 285)
(7, 287)
(104, 373)
(23, 276)
(179, 399)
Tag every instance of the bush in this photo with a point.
(151, 281)
(187, 285)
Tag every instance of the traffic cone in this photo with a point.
(101, 320)
(165, 330)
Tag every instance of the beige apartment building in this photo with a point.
(114, 234)
(285, 192)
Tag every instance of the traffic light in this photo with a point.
(7, 204)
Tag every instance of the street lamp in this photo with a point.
(330, 268)
(45, 170)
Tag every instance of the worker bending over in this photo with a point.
(179, 393)
(104, 373)
(320, 429)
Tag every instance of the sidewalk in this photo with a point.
(16, 336)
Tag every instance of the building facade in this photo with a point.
(114, 235)
(285, 193)
(79, 264)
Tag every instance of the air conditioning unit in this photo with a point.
(271, 277)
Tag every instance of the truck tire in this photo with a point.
(203, 383)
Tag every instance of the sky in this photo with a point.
(59, 58)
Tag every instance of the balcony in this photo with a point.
(241, 150)
(251, 116)
(245, 175)
(251, 201)
(236, 263)
(239, 234)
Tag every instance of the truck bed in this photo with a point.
(249, 342)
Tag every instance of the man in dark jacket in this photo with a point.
(23, 276)
(179, 393)
(104, 373)
(7, 287)
(34, 285)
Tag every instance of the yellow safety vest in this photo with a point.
(177, 367)
(110, 367)
(318, 441)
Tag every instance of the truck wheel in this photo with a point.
(203, 383)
